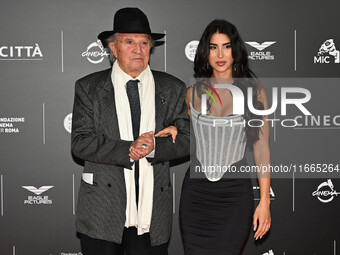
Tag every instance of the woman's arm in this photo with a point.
(262, 218)
(188, 98)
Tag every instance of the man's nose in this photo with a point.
(138, 48)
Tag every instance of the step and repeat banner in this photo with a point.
(45, 46)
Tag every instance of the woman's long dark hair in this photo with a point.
(240, 69)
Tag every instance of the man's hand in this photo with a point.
(142, 146)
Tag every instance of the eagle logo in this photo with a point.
(259, 46)
(37, 191)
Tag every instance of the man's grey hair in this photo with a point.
(114, 38)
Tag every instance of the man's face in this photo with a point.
(132, 52)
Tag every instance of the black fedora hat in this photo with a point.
(129, 20)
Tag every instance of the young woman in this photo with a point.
(217, 209)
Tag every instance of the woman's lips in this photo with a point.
(220, 63)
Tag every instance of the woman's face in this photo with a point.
(220, 56)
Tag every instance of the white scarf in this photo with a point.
(141, 217)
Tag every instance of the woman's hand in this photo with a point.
(261, 219)
(170, 130)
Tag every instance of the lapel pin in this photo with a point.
(163, 101)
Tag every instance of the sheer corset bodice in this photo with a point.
(220, 142)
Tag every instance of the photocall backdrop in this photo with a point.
(46, 46)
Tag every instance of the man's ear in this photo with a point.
(113, 48)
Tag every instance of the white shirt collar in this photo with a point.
(122, 77)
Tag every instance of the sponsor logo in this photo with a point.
(95, 52)
(260, 46)
(270, 252)
(71, 253)
(190, 50)
(257, 193)
(327, 51)
(68, 253)
(68, 123)
(10, 125)
(260, 54)
(318, 121)
(325, 192)
(31, 52)
(37, 200)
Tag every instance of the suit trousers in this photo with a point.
(132, 244)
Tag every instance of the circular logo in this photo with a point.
(190, 50)
(325, 192)
(68, 123)
(95, 52)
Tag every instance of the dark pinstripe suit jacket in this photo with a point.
(96, 140)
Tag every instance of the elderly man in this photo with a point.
(125, 197)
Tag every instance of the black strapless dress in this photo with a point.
(216, 217)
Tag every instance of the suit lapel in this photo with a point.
(107, 104)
